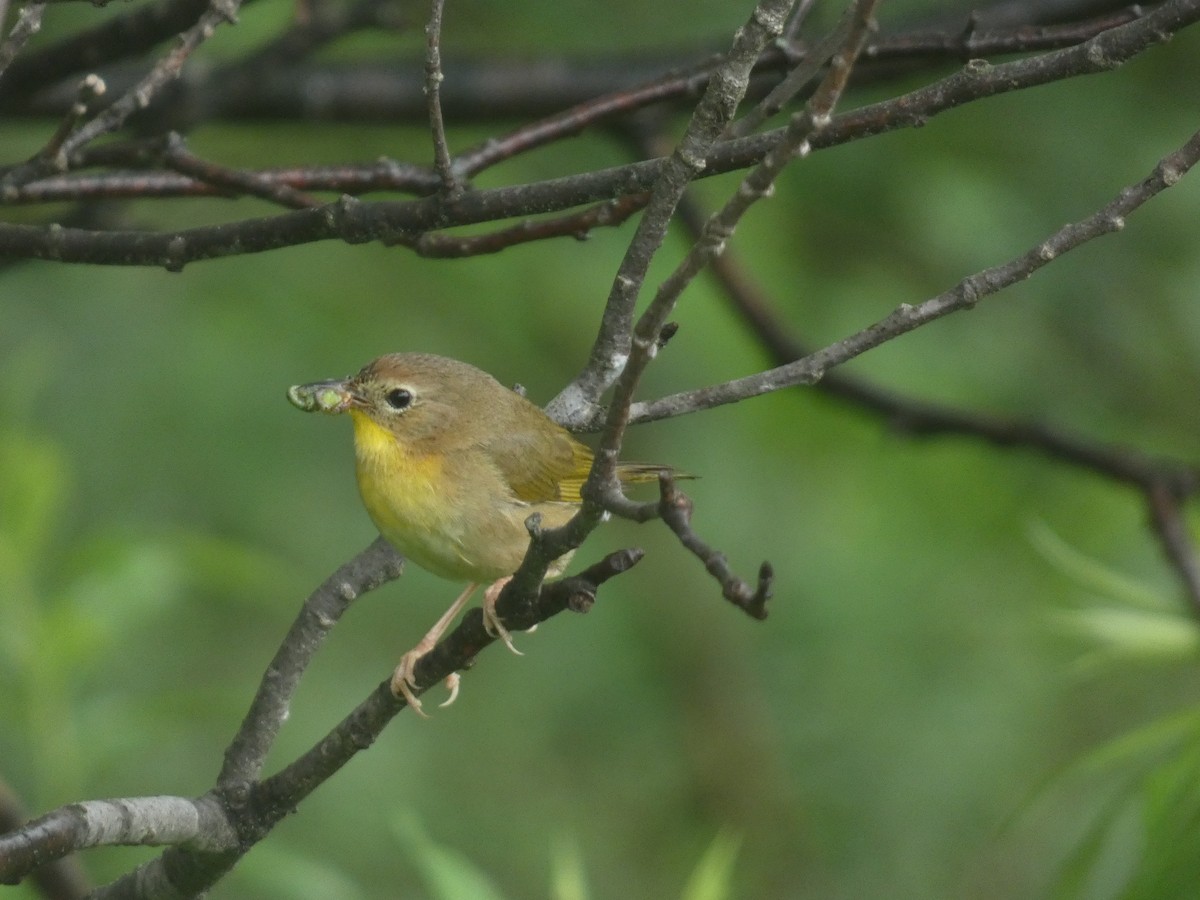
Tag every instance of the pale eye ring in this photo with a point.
(398, 398)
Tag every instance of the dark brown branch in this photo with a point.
(675, 509)
(966, 294)
(133, 821)
(315, 25)
(59, 879)
(129, 35)
(254, 808)
(29, 22)
(378, 564)
(608, 360)
(381, 175)
(1165, 483)
(356, 223)
(232, 181)
(433, 94)
(1166, 515)
(576, 225)
(487, 90)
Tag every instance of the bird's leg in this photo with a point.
(402, 678)
(491, 621)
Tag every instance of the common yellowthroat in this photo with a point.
(450, 463)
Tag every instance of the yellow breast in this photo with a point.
(408, 500)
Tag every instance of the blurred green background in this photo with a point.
(978, 678)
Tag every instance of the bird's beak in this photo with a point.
(330, 397)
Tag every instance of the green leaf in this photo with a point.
(1092, 574)
(568, 878)
(275, 871)
(33, 486)
(1135, 634)
(448, 874)
(712, 878)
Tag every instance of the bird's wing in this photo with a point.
(540, 465)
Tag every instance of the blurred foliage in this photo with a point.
(913, 721)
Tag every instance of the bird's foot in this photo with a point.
(491, 621)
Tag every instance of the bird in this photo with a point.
(450, 464)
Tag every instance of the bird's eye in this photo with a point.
(399, 398)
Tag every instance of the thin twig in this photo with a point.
(381, 175)
(29, 23)
(319, 25)
(128, 35)
(433, 93)
(796, 80)
(924, 419)
(649, 327)
(232, 181)
(164, 71)
(374, 566)
(577, 225)
(796, 21)
(243, 812)
(584, 115)
(1166, 515)
(362, 222)
(90, 89)
(964, 295)
(796, 143)
(716, 108)
(675, 509)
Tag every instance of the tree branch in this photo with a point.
(965, 295)
(29, 23)
(611, 348)
(433, 92)
(355, 223)
(378, 564)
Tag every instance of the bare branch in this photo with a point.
(648, 331)
(381, 175)
(675, 509)
(378, 564)
(270, 85)
(433, 92)
(360, 222)
(966, 294)
(51, 157)
(576, 225)
(166, 70)
(58, 879)
(255, 807)
(1166, 515)
(796, 143)
(29, 23)
(799, 77)
(231, 181)
(710, 118)
(145, 821)
(128, 35)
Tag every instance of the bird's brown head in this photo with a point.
(420, 398)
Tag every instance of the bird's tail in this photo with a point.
(627, 473)
(636, 473)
